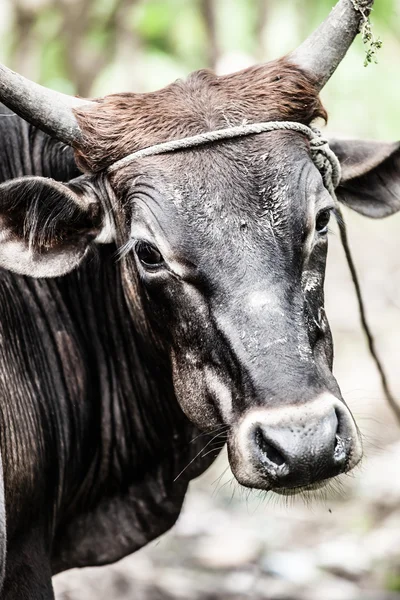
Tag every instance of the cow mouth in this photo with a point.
(302, 489)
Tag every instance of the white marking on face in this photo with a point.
(107, 233)
(259, 299)
(282, 340)
(220, 392)
(305, 353)
(309, 242)
(192, 358)
(177, 197)
(312, 281)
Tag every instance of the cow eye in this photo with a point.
(322, 221)
(148, 255)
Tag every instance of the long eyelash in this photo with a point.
(125, 249)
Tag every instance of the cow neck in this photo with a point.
(137, 437)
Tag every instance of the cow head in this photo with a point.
(223, 248)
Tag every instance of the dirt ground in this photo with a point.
(229, 544)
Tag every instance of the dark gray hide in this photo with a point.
(96, 366)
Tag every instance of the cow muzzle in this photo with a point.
(290, 448)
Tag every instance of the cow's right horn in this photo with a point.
(49, 110)
(322, 51)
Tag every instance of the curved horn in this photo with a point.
(49, 110)
(323, 50)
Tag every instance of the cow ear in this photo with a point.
(46, 227)
(370, 182)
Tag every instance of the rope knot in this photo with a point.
(325, 160)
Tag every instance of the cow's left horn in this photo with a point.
(323, 50)
(49, 110)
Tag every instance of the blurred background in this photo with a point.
(229, 543)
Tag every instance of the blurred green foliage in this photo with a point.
(392, 583)
(94, 47)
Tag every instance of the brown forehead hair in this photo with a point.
(120, 124)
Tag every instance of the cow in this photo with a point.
(153, 311)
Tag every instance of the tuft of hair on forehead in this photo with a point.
(120, 124)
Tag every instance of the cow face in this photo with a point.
(229, 248)
(222, 254)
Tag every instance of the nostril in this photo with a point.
(340, 451)
(268, 449)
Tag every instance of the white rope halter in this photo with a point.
(323, 157)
